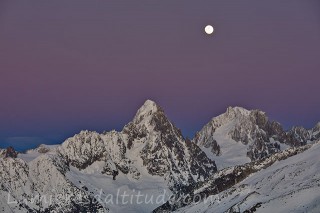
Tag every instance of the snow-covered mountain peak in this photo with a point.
(163, 149)
(149, 118)
(237, 135)
(149, 103)
(258, 136)
(236, 111)
(238, 116)
(148, 106)
(148, 109)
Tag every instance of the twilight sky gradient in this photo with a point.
(72, 65)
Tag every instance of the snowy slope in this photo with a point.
(231, 153)
(41, 185)
(291, 185)
(109, 192)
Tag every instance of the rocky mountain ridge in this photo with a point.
(150, 137)
(148, 151)
(148, 148)
(258, 136)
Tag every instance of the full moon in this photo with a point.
(209, 29)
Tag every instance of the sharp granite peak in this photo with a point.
(164, 150)
(149, 153)
(147, 114)
(149, 107)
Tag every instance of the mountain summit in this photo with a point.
(148, 108)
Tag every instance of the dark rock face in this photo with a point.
(42, 149)
(260, 150)
(259, 118)
(133, 133)
(315, 132)
(256, 129)
(297, 136)
(275, 129)
(198, 159)
(212, 143)
(9, 153)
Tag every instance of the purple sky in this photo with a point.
(72, 65)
